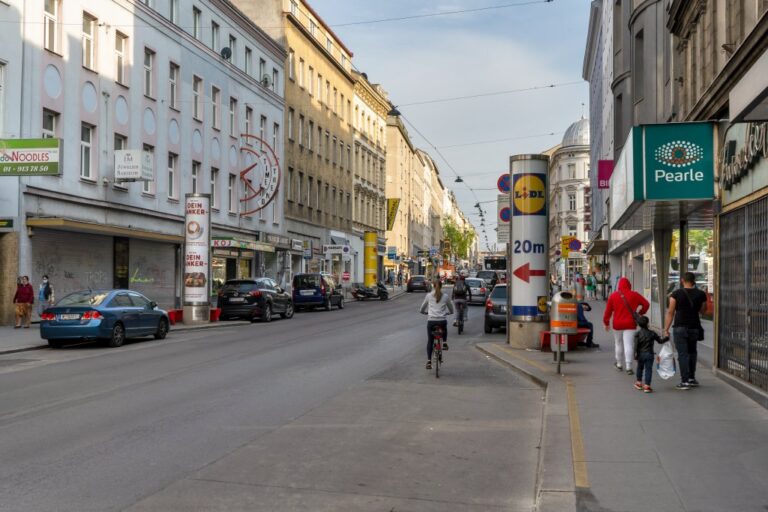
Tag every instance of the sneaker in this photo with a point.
(693, 383)
(445, 346)
(593, 345)
(647, 389)
(630, 371)
(638, 385)
(683, 386)
(429, 365)
(455, 323)
(618, 367)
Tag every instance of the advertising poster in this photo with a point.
(197, 244)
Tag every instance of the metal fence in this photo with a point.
(743, 298)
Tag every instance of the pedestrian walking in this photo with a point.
(400, 278)
(685, 306)
(591, 286)
(644, 339)
(23, 300)
(622, 306)
(45, 296)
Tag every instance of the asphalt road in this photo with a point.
(327, 411)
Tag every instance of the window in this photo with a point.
(89, 36)
(319, 87)
(571, 171)
(638, 72)
(214, 36)
(215, 99)
(289, 185)
(173, 83)
(50, 124)
(341, 105)
(335, 101)
(310, 131)
(329, 44)
(312, 27)
(275, 78)
(294, 8)
(197, 23)
(311, 81)
(173, 161)
(318, 203)
(120, 46)
(291, 64)
(299, 186)
(572, 231)
(290, 123)
(327, 93)
(174, 11)
(195, 177)
(275, 136)
(571, 201)
(333, 152)
(232, 117)
(248, 124)
(86, 151)
(301, 72)
(214, 181)
(310, 182)
(120, 143)
(349, 111)
(148, 187)
(301, 130)
(262, 70)
(263, 129)
(149, 62)
(197, 91)
(343, 61)
(327, 146)
(232, 192)
(248, 64)
(51, 25)
(319, 141)
(233, 48)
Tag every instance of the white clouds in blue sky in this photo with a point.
(466, 54)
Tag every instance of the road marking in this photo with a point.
(580, 475)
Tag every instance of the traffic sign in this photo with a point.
(503, 183)
(575, 245)
(345, 276)
(505, 214)
(525, 273)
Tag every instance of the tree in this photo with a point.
(460, 239)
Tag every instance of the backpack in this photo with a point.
(460, 288)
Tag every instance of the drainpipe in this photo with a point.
(20, 196)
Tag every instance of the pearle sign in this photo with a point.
(197, 235)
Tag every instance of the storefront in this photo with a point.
(279, 268)
(236, 258)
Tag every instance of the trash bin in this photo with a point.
(564, 319)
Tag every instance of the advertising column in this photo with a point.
(197, 247)
(529, 285)
(370, 263)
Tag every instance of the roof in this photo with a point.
(577, 134)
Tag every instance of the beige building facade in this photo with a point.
(401, 164)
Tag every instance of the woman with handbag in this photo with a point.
(623, 306)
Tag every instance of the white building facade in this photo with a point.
(105, 76)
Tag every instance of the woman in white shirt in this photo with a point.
(437, 306)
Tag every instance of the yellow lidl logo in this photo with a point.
(529, 194)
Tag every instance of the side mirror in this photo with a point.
(279, 290)
(152, 305)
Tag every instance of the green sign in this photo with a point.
(678, 161)
(6, 223)
(29, 157)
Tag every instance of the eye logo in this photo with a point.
(679, 153)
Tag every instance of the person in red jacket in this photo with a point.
(24, 298)
(621, 305)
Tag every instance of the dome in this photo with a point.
(577, 134)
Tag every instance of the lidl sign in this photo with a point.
(678, 161)
(29, 157)
(529, 194)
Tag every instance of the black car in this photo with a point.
(496, 308)
(315, 290)
(418, 283)
(253, 299)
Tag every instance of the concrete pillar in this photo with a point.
(662, 246)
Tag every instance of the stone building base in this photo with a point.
(9, 268)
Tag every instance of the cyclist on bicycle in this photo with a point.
(461, 293)
(437, 305)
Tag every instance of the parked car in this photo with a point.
(496, 308)
(478, 290)
(316, 290)
(252, 299)
(418, 283)
(111, 315)
(491, 277)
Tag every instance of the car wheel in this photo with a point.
(488, 328)
(341, 303)
(55, 343)
(327, 304)
(118, 336)
(162, 329)
(288, 311)
(266, 316)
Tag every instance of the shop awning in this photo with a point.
(100, 229)
(665, 174)
(597, 247)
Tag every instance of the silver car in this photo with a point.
(478, 290)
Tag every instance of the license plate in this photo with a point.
(237, 299)
(307, 292)
(69, 316)
(503, 309)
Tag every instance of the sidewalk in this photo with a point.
(608, 447)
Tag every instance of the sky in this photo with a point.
(466, 54)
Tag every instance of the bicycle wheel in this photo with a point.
(436, 353)
(461, 326)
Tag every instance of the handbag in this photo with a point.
(635, 315)
(700, 335)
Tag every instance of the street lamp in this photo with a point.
(394, 111)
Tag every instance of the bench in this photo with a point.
(573, 339)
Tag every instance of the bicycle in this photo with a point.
(437, 348)
(461, 309)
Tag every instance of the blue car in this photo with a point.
(316, 290)
(110, 315)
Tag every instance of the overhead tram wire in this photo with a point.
(496, 93)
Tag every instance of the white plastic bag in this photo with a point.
(665, 361)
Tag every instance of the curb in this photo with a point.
(556, 489)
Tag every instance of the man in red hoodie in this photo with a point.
(24, 298)
(622, 305)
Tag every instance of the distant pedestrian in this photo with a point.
(45, 296)
(24, 298)
(591, 286)
(400, 278)
(622, 306)
(644, 339)
(685, 305)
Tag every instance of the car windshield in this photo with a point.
(84, 298)
(418, 279)
(499, 292)
(239, 286)
(307, 282)
(474, 283)
(486, 274)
